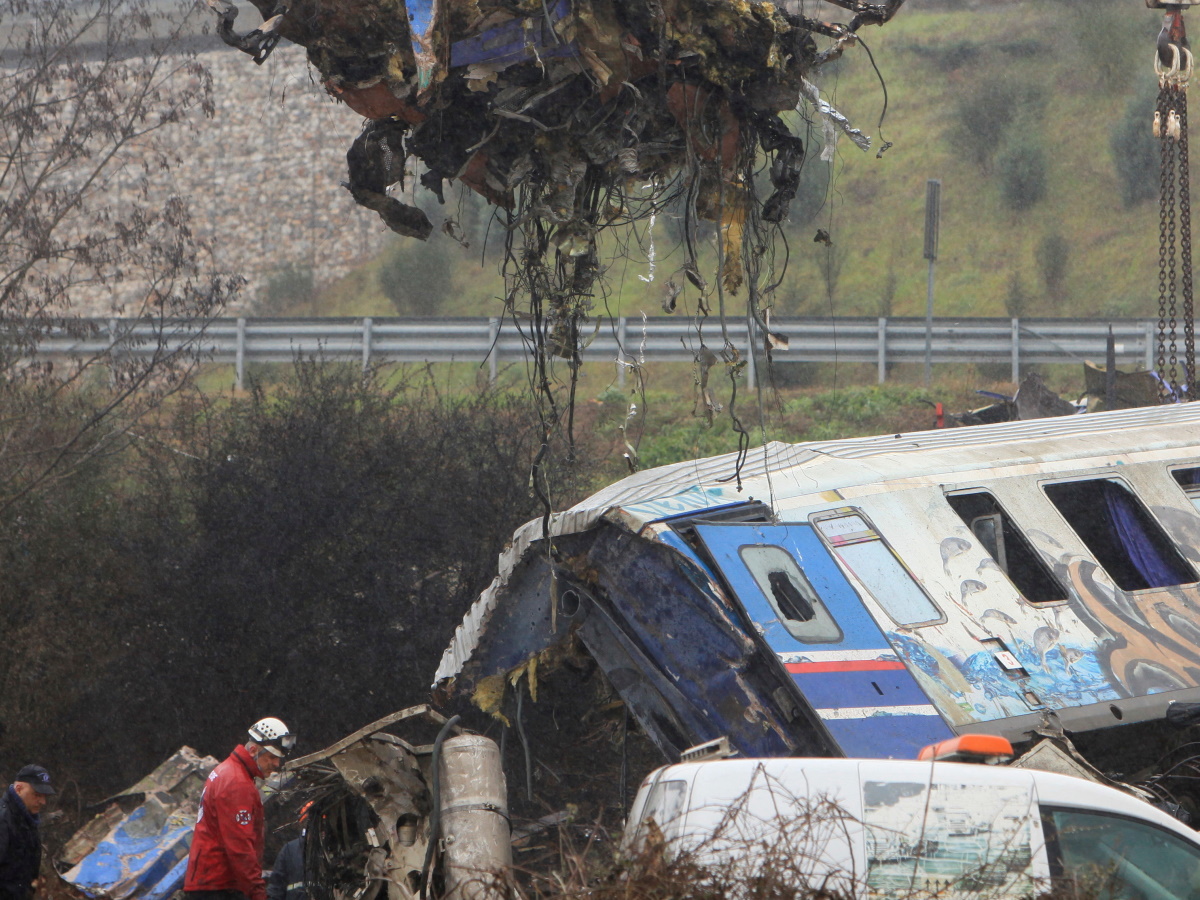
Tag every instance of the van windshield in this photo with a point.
(1108, 856)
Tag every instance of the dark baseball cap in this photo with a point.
(37, 777)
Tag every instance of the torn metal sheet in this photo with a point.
(138, 846)
(863, 597)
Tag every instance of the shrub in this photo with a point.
(307, 550)
(1053, 257)
(289, 288)
(416, 277)
(1021, 170)
(987, 112)
(1135, 151)
(1016, 300)
(1110, 41)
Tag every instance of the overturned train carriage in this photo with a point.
(867, 597)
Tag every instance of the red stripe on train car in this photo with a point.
(848, 665)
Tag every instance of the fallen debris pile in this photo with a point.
(385, 818)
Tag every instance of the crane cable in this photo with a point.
(1173, 64)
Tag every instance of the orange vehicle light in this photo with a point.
(977, 748)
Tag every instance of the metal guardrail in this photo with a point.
(880, 341)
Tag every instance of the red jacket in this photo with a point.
(227, 846)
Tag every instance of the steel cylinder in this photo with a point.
(474, 818)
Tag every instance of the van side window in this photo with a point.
(665, 805)
(1189, 480)
(867, 555)
(1008, 546)
(1104, 855)
(1120, 533)
(790, 594)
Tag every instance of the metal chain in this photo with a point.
(1172, 372)
(1165, 179)
(1185, 249)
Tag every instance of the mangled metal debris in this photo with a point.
(137, 847)
(394, 819)
(576, 93)
(868, 597)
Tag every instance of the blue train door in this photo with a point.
(809, 614)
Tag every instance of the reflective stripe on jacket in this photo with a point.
(227, 846)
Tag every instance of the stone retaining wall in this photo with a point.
(262, 178)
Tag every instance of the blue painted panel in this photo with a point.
(169, 883)
(691, 638)
(135, 856)
(888, 737)
(420, 17)
(683, 548)
(515, 40)
(830, 690)
(839, 675)
(858, 628)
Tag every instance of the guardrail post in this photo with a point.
(368, 322)
(882, 349)
(1016, 350)
(751, 374)
(621, 352)
(1149, 346)
(112, 351)
(493, 347)
(240, 364)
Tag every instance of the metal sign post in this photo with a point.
(933, 212)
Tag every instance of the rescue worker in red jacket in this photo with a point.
(225, 861)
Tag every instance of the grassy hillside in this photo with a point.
(974, 92)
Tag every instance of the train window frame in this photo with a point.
(834, 543)
(1035, 581)
(1096, 548)
(1191, 491)
(819, 628)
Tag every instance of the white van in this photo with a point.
(884, 828)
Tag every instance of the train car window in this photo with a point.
(1120, 533)
(791, 595)
(873, 562)
(1189, 480)
(1008, 546)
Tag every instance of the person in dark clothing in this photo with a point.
(287, 881)
(20, 845)
(287, 877)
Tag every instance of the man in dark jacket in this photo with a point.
(20, 845)
(225, 860)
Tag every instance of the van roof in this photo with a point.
(1053, 789)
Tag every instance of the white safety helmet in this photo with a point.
(273, 736)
